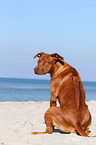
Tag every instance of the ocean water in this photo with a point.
(34, 90)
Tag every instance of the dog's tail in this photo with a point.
(81, 131)
(35, 133)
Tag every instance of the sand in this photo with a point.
(19, 119)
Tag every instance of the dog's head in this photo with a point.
(46, 62)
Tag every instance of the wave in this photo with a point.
(90, 89)
(25, 88)
(37, 88)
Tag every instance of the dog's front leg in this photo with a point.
(53, 101)
(53, 88)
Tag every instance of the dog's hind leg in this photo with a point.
(49, 129)
(49, 125)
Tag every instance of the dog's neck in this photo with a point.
(59, 68)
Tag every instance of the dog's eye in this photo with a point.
(38, 61)
(46, 63)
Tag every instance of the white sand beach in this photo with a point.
(19, 119)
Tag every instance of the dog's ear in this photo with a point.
(39, 55)
(58, 58)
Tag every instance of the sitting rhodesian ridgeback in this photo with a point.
(73, 115)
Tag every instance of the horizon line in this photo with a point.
(37, 79)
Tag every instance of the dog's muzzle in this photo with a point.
(36, 70)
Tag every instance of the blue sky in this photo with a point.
(67, 27)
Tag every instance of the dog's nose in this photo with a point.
(36, 70)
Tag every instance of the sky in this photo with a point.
(66, 27)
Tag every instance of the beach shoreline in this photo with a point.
(19, 119)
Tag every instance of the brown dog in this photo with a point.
(73, 115)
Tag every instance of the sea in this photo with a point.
(12, 89)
